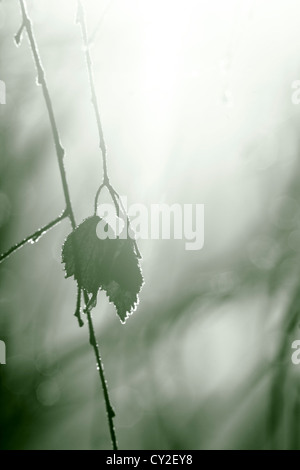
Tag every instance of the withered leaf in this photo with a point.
(110, 264)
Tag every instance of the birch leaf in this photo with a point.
(110, 264)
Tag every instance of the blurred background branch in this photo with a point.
(224, 316)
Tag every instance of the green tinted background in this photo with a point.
(196, 105)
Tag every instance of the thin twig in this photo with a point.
(80, 19)
(97, 196)
(60, 152)
(109, 408)
(34, 236)
(26, 24)
(77, 313)
(138, 253)
(100, 21)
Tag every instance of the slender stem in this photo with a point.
(109, 408)
(102, 145)
(115, 197)
(60, 152)
(138, 253)
(97, 197)
(34, 236)
(78, 307)
(97, 27)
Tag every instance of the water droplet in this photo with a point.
(35, 238)
(38, 80)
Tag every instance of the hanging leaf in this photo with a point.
(110, 264)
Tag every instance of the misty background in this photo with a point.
(196, 106)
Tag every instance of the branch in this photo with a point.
(114, 194)
(69, 211)
(97, 27)
(34, 237)
(60, 152)
(80, 19)
(77, 313)
(109, 408)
